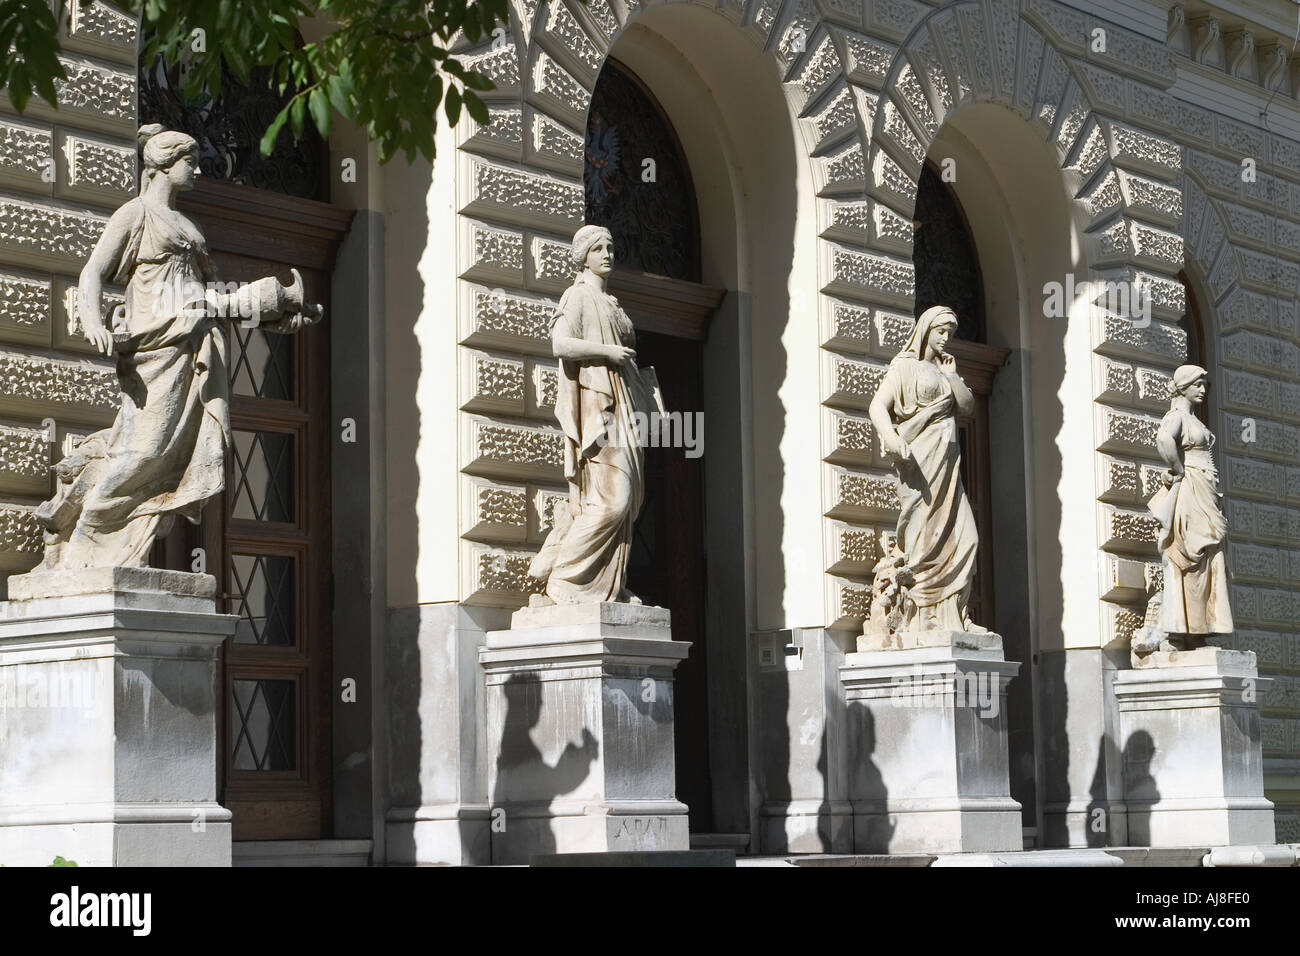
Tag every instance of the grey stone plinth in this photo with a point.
(108, 733)
(1193, 771)
(927, 735)
(580, 732)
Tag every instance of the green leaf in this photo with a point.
(297, 116)
(319, 104)
(273, 132)
(452, 105)
(60, 861)
(478, 81)
(477, 108)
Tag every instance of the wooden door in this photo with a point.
(666, 565)
(267, 538)
(978, 364)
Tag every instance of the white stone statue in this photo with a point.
(924, 583)
(165, 453)
(1193, 601)
(601, 391)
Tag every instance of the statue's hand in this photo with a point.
(99, 336)
(895, 447)
(947, 363)
(620, 355)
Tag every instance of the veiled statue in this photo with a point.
(924, 582)
(164, 455)
(1193, 601)
(601, 393)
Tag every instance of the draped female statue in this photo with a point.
(1194, 601)
(925, 582)
(601, 391)
(164, 455)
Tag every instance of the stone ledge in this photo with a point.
(607, 613)
(48, 584)
(915, 640)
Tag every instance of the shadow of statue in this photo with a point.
(526, 785)
(1140, 791)
(873, 828)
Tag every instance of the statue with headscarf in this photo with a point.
(1193, 600)
(164, 455)
(601, 396)
(924, 583)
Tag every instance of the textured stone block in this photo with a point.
(871, 275)
(854, 551)
(95, 20)
(498, 577)
(862, 497)
(852, 383)
(48, 233)
(555, 144)
(98, 169)
(494, 512)
(27, 155)
(514, 194)
(514, 451)
(20, 537)
(1132, 531)
(500, 319)
(849, 438)
(497, 254)
(30, 380)
(24, 308)
(545, 379)
(493, 383)
(558, 92)
(1159, 341)
(94, 89)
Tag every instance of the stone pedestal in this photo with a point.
(108, 733)
(1189, 729)
(927, 736)
(580, 732)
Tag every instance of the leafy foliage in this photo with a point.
(29, 37)
(387, 65)
(60, 861)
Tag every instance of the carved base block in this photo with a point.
(927, 737)
(580, 732)
(1189, 729)
(108, 733)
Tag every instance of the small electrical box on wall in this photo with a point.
(779, 651)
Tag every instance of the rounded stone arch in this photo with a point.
(545, 71)
(1119, 205)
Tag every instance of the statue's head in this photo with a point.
(593, 248)
(1191, 382)
(166, 152)
(931, 333)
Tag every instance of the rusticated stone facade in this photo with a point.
(870, 84)
(61, 175)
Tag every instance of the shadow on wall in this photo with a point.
(406, 240)
(1140, 791)
(873, 828)
(526, 785)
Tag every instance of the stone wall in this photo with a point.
(61, 175)
(1158, 177)
(1241, 229)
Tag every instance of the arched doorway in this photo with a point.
(638, 184)
(267, 538)
(1014, 208)
(757, 363)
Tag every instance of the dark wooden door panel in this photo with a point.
(267, 538)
